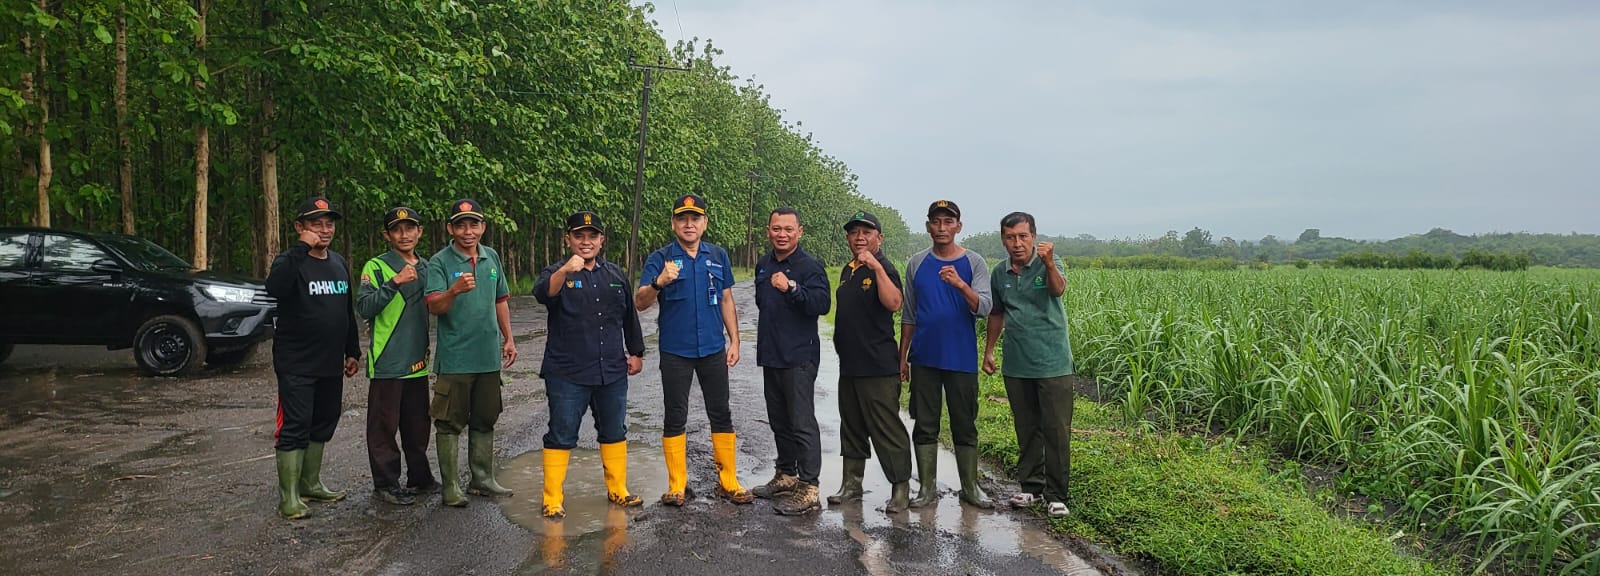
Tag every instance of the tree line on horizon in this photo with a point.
(1437, 248)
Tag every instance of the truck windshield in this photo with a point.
(145, 254)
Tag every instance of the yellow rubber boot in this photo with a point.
(555, 474)
(615, 458)
(722, 445)
(676, 450)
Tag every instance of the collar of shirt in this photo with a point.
(1033, 263)
(462, 256)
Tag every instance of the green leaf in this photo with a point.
(101, 33)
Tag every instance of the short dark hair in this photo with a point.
(786, 210)
(1013, 219)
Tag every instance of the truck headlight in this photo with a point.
(230, 294)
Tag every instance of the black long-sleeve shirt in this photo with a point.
(593, 326)
(315, 310)
(786, 333)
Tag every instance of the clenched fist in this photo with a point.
(574, 264)
(780, 281)
(407, 275)
(1046, 251)
(866, 258)
(951, 277)
(669, 272)
(464, 284)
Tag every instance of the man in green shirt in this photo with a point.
(389, 298)
(1038, 361)
(474, 345)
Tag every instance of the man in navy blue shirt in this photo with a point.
(791, 292)
(947, 291)
(694, 282)
(594, 344)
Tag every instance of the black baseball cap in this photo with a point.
(689, 203)
(465, 208)
(399, 214)
(944, 206)
(862, 217)
(316, 206)
(581, 220)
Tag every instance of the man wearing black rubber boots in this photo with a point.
(467, 291)
(869, 367)
(315, 349)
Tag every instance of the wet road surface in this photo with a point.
(104, 470)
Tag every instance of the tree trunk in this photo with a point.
(269, 182)
(42, 218)
(124, 143)
(202, 151)
(30, 162)
(269, 164)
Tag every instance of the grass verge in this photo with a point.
(1191, 505)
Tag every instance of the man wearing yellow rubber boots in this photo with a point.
(466, 288)
(694, 282)
(594, 345)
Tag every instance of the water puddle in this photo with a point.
(588, 511)
(997, 531)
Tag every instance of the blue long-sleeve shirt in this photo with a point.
(786, 334)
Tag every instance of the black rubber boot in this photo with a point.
(850, 488)
(927, 475)
(967, 465)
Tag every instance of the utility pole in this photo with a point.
(638, 166)
(750, 220)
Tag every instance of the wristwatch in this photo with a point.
(658, 287)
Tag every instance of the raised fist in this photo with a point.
(464, 284)
(574, 264)
(669, 272)
(406, 275)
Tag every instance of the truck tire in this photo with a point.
(169, 345)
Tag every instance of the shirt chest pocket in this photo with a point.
(678, 290)
(616, 302)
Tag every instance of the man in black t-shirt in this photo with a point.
(315, 349)
(869, 366)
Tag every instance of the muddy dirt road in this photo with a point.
(106, 471)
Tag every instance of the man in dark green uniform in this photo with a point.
(1038, 361)
(869, 367)
(466, 288)
(389, 298)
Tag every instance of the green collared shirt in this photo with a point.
(469, 334)
(1036, 342)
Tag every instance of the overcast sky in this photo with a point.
(1247, 118)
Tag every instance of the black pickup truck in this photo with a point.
(119, 291)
